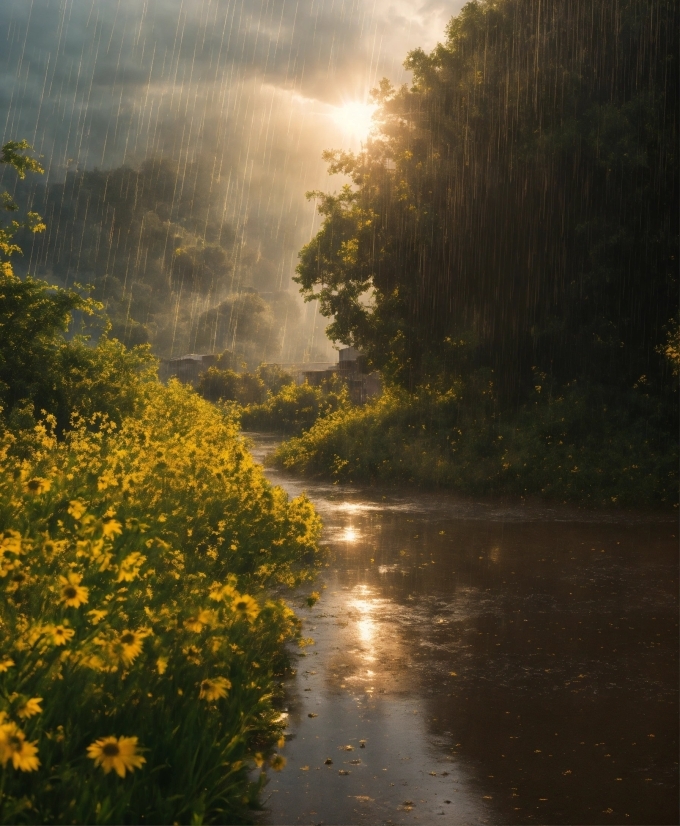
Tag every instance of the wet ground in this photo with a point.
(483, 662)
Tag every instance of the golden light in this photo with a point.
(349, 534)
(366, 626)
(354, 118)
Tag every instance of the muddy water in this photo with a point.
(483, 663)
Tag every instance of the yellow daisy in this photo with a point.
(162, 665)
(38, 485)
(130, 566)
(76, 508)
(30, 707)
(5, 664)
(15, 747)
(73, 594)
(96, 615)
(246, 607)
(277, 762)
(214, 689)
(131, 644)
(119, 754)
(203, 618)
(219, 592)
(112, 528)
(60, 633)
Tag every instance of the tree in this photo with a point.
(518, 205)
(40, 371)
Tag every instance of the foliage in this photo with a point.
(167, 270)
(296, 407)
(40, 371)
(138, 647)
(579, 445)
(134, 561)
(220, 384)
(506, 254)
(520, 198)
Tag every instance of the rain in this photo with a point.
(362, 394)
(235, 100)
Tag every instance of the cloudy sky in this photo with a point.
(259, 86)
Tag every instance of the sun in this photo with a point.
(355, 118)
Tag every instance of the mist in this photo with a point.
(197, 127)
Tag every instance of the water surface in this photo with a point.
(483, 662)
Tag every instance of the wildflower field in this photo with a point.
(140, 643)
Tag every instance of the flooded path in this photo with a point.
(483, 663)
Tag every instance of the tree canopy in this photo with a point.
(517, 206)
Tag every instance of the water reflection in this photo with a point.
(522, 670)
(365, 624)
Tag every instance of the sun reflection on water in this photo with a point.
(349, 534)
(366, 624)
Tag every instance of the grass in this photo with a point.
(588, 445)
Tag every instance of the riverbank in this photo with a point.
(586, 446)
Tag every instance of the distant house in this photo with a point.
(351, 368)
(187, 369)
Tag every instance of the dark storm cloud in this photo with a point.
(74, 70)
(246, 84)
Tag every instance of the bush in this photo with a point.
(591, 445)
(135, 561)
(219, 384)
(296, 407)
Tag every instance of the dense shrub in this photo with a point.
(586, 445)
(296, 407)
(224, 384)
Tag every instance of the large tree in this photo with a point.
(517, 206)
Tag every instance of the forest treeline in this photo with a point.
(155, 246)
(510, 235)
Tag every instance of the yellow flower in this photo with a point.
(5, 664)
(259, 759)
(203, 618)
(219, 592)
(15, 747)
(112, 528)
(131, 644)
(97, 615)
(38, 485)
(246, 607)
(214, 689)
(162, 665)
(73, 594)
(52, 547)
(119, 754)
(278, 761)
(129, 567)
(30, 707)
(11, 542)
(107, 480)
(76, 508)
(94, 662)
(60, 633)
